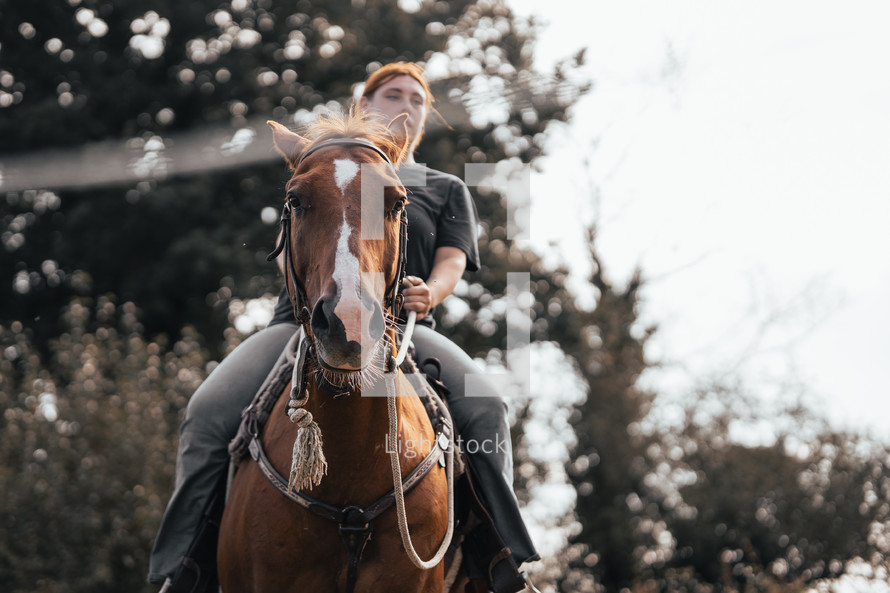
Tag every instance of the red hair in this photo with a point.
(386, 73)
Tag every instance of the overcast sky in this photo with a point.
(740, 155)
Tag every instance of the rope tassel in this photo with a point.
(308, 464)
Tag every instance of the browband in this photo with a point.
(346, 141)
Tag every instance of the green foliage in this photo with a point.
(87, 449)
(211, 61)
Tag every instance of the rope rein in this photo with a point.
(400, 495)
(396, 465)
(406, 338)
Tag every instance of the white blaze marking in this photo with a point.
(346, 275)
(344, 172)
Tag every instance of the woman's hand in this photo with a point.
(418, 296)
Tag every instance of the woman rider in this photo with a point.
(442, 244)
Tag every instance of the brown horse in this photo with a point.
(341, 285)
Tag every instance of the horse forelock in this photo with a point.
(354, 124)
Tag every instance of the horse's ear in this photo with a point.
(400, 154)
(289, 144)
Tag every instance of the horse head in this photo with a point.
(343, 217)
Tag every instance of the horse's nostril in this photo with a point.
(319, 320)
(377, 325)
(376, 321)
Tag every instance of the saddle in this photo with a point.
(477, 548)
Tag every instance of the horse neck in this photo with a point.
(357, 417)
(355, 427)
(347, 420)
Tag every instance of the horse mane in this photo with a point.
(354, 124)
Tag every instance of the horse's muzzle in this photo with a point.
(347, 335)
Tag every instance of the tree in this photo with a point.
(692, 506)
(796, 511)
(618, 515)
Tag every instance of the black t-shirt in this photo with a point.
(441, 213)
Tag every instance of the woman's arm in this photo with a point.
(448, 266)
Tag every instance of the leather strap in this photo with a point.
(345, 142)
(333, 513)
(355, 531)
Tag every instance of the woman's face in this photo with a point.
(400, 103)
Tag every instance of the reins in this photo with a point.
(395, 463)
(406, 338)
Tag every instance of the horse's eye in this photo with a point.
(397, 207)
(296, 204)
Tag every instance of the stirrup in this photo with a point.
(166, 587)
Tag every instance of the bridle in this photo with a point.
(393, 300)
